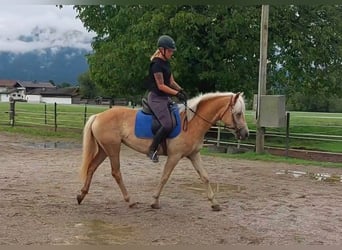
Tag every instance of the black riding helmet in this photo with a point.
(166, 42)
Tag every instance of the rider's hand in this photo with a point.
(182, 96)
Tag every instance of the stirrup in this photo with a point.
(153, 156)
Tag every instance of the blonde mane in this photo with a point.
(193, 102)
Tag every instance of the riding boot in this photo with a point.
(157, 139)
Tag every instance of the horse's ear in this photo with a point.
(236, 97)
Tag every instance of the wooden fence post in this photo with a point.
(260, 131)
(12, 111)
(85, 114)
(218, 135)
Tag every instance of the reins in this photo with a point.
(185, 121)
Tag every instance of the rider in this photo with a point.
(162, 86)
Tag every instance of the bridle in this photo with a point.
(230, 107)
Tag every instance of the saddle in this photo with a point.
(146, 124)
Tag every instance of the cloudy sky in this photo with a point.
(25, 28)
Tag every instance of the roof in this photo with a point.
(28, 84)
(8, 83)
(25, 84)
(69, 91)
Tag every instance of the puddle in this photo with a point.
(327, 177)
(52, 145)
(294, 173)
(316, 176)
(98, 232)
(217, 187)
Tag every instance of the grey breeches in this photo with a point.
(160, 108)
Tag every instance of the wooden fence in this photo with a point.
(303, 130)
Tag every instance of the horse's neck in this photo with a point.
(208, 113)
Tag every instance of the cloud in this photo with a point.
(25, 28)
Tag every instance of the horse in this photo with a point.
(104, 133)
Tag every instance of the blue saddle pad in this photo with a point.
(143, 124)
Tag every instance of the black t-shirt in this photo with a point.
(159, 65)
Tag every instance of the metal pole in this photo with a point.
(287, 132)
(45, 113)
(260, 131)
(55, 117)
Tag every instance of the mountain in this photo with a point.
(59, 64)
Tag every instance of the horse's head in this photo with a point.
(226, 107)
(233, 116)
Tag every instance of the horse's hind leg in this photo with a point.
(197, 163)
(93, 165)
(116, 173)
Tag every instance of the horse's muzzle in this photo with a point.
(242, 133)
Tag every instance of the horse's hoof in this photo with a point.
(216, 207)
(79, 199)
(155, 206)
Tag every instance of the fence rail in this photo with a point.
(219, 132)
(47, 115)
(311, 128)
(318, 131)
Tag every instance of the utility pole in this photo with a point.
(260, 131)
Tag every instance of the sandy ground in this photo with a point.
(262, 203)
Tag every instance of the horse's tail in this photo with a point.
(90, 147)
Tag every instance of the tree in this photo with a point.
(218, 47)
(63, 85)
(88, 88)
(308, 49)
(209, 55)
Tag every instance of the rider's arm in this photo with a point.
(174, 84)
(161, 86)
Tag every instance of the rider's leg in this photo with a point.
(160, 108)
(157, 139)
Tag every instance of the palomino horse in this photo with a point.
(104, 132)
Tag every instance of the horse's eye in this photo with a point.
(238, 114)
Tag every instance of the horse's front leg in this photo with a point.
(170, 164)
(196, 161)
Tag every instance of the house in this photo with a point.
(17, 94)
(36, 92)
(7, 84)
(11, 88)
(53, 95)
(18, 89)
(29, 86)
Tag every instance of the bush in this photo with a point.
(314, 103)
(335, 105)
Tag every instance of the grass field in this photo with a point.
(41, 119)
(308, 130)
